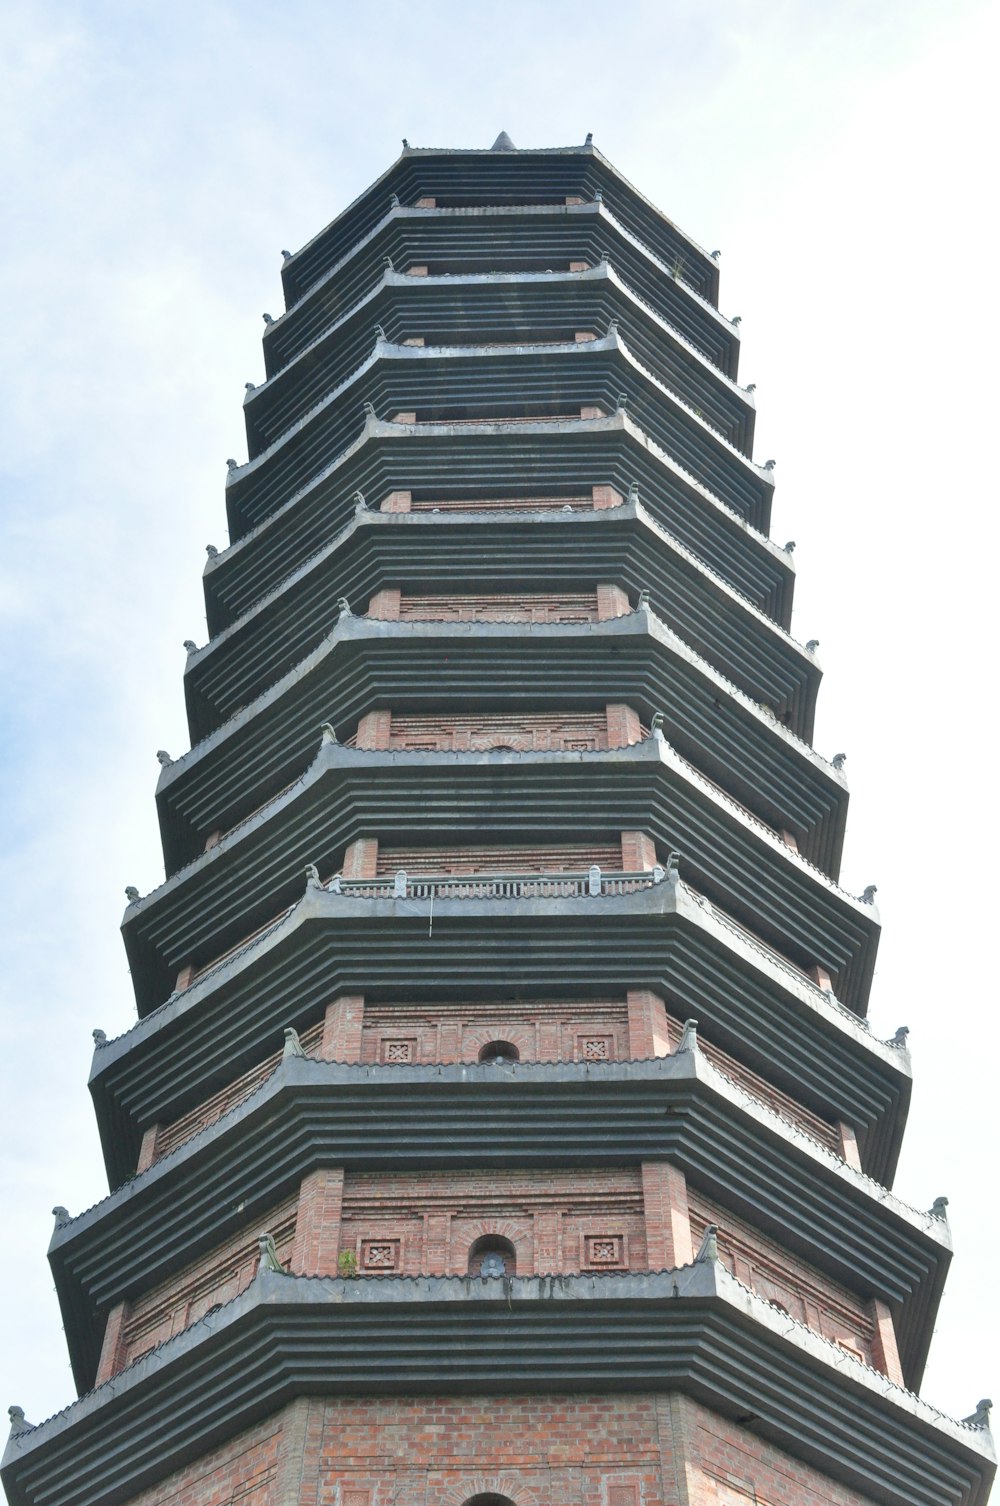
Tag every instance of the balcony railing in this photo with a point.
(401, 885)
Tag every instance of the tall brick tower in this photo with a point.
(501, 1124)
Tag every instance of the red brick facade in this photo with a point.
(607, 1450)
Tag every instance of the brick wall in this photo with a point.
(540, 1029)
(216, 1278)
(558, 1450)
(617, 726)
(579, 606)
(244, 1472)
(170, 1136)
(427, 1222)
(727, 1466)
(804, 1292)
(488, 858)
(635, 1026)
(599, 497)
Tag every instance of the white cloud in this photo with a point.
(158, 159)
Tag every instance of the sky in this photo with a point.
(154, 161)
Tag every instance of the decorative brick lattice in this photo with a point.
(398, 1051)
(380, 1254)
(596, 1048)
(604, 1251)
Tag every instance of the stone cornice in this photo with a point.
(488, 383)
(364, 662)
(311, 1113)
(598, 291)
(514, 552)
(531, 174)
(454, 799)
(695, 1330)
(667, 938)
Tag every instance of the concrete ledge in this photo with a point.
(694, 1330)
(313, 1113)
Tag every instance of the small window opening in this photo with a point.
(504, 1051)
(492, 1256)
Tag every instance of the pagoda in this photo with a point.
(501, 1124)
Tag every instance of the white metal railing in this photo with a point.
(403, 885)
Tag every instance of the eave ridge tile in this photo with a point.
(693, 906)
(682, 1065)
(701, 1279)
(652, 749)
(414, 355)
(375, 627)
(927, 1222)
(669, 754)
(603, 271)
(370, 517)
(375, 428)
(699, 908)
(596, 208)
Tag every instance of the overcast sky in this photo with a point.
(157, 157)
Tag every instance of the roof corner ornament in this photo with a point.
(18, 1422)
(232, 465)
(286, 255)
(598, 196)
(406, 145)
(268, 1256)
(673, 866)
(61, 1215)
(643, 601)
(716, 255)
(590, 139)
(190, 645)
(612, 333)
(370, 413)
(633, 494)
(343, 608)
(812, 644)
(380, 334)
(838, 760)
(312, 877)
(388, 263)
(981, 1416)
(790, 547)
(328, 736)
(163, 758)
(939, 1208)
(868, 897)
(249, 386)
(709, 1247)
(131, 894)
(267, 319)
(292, 1046)
(689, 1037)
(621, 402)
(394, 201)
(737, 319)
(656, 726)
(100, 1039)
(750, 387)
(211, 551)
(360, 505)
(899, 1039)
(503, 143)
(769, 465)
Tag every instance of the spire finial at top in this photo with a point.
(503, 143)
